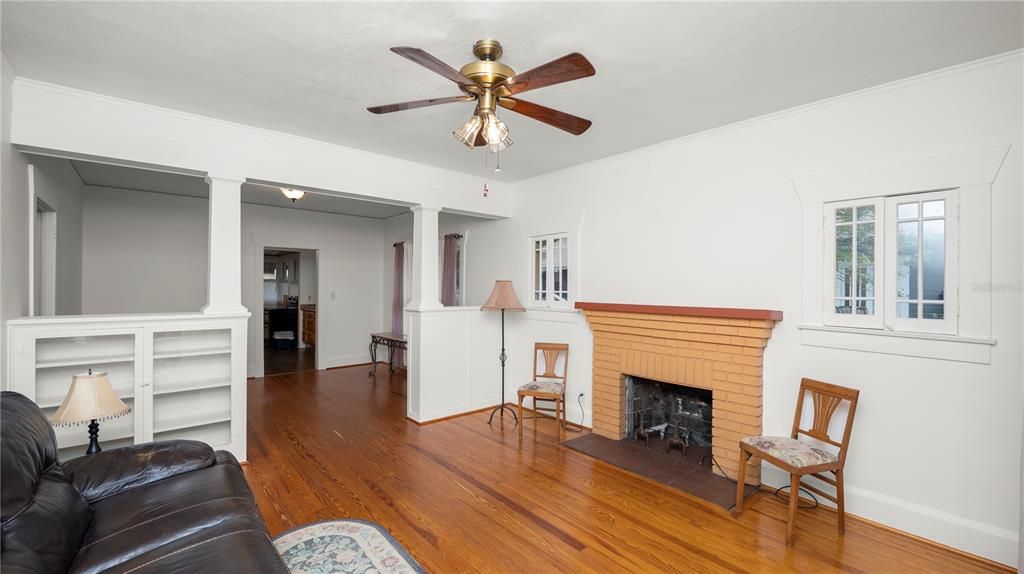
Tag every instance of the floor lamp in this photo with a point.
(503, 298)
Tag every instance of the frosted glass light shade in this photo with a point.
(292, 194)
(468, 132)
(496, 133)
(503, 297)
(90, 398)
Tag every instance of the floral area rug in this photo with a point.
(344, 547)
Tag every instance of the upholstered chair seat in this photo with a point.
(546, 387)
(790, 450)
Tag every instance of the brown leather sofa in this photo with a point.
(174, 506)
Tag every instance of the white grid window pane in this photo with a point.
(921, 259)
(855, 260)
(550, 269)
(540, 288)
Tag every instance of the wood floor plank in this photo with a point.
(463, 496)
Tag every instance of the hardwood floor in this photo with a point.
(463, 496)
(284, 361)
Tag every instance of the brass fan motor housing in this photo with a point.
(487, 71)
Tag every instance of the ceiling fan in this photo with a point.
(490, 83)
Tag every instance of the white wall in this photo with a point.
(143, 252)
(307, 277)
(57, 184)
(713, 220)
(348, 277)
(14, 214)
(146, 252)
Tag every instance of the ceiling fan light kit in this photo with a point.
(292, 194)
(491, 84)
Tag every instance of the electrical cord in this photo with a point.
(777, 490)
(578, 428)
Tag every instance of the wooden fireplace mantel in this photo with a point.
(717, 312)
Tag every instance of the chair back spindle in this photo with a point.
(825, 401)
(551, 352)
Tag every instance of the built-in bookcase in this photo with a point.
(183, 375)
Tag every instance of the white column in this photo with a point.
(424, 259)
(224, 266)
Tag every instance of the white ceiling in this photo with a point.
(129, 178)
(664, 70)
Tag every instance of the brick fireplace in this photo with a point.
(712, 348)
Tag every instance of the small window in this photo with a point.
(549, 269)
(890, 262)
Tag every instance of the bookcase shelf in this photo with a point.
(160, 389)
(86, 361)
(193, 353)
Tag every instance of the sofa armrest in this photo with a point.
(110, 472)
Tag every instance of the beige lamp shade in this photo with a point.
(89, 398)
(503, 297)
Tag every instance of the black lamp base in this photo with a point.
(501, 409)
(502, 358)
(94, 440)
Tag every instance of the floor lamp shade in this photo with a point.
(503, 298)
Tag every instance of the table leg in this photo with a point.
(391, 359)
(373, 357)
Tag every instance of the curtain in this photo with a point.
(398, 296)
(448, 270)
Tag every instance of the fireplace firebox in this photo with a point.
(680, 415)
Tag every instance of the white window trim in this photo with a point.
(550, 303)
(972, 171)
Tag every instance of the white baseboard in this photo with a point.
(985, 540)
(451, 412)
(343, 360)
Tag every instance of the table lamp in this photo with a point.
(503, 298)
(92, 399)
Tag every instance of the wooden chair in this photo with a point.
(799, 458)
(548, 385)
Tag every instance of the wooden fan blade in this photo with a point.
(431, 63)
(417, 104)
(561, 120)
(565, 69)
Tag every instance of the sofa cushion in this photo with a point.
(114, 471)
(29, 449)
(240, 551)
(44, 516)
(151, 521)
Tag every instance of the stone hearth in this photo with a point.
(710, 348)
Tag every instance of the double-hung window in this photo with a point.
(891, 263)
(549, 270)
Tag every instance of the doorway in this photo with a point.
(289, 310)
